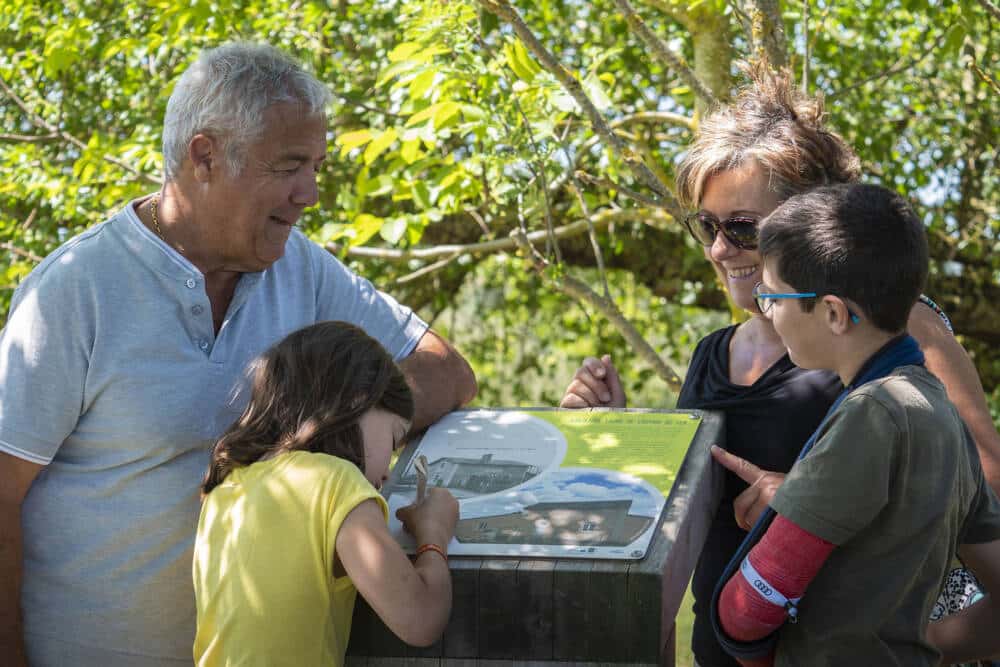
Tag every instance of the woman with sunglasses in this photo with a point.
(766, 146)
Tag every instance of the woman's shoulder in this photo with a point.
(715, 342)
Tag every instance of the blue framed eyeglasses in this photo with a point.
(765, 300)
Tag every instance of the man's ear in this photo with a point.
(837, 314)
(203, 155)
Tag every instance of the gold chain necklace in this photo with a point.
(156, 222)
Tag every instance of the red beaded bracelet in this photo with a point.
(424, 548)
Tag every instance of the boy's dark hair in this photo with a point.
(859, 242)
(308, 393)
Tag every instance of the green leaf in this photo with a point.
(393, 229)
(404, 51)
(392, 72)
(379, 144)
(351, 140)
(595, 91)
(421, 195)
(446, 112)
(410, 151)
(365, 226)
(520, 61)
(421, 83)
(423, 115)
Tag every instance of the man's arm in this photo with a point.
(971, 634)
(16, 476)
(441, 379)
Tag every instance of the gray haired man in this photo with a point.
(123, 348)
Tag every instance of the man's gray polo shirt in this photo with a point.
(111, 375)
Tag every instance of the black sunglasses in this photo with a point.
(740, 230)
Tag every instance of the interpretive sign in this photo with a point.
(560, 483)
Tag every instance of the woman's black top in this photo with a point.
(766, 423)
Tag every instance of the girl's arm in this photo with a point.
(971, 634)
(412, 599)
(949, 361)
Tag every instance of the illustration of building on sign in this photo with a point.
(478, 476)
(593, 523)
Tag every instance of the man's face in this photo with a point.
(254, 211)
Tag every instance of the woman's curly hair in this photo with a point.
(773, 124)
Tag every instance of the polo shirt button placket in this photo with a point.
(203, 345)
(197, 309)
(191, 283)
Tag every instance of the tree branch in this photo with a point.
(669, 58)
(575, 228)
(579, 290)
(987, 79)
(805, 39)
(40, 122)
(899, 66)
(745, 23)
(768, 29)
(653, 117)
(608, 184)
(430, 268)
(991, 8)
(27, 254)
(592, 235)
(664, 198)
(552, 241)
(29, 138)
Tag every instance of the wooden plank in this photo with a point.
(571, 623)
(643, 600)
(358, 644)
(609, 618)
(501, 630)
(535, 585)
(461, 637)
(382, 641)
(385, 662)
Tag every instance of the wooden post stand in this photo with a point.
(548, 611)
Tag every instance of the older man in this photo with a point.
(123, 354)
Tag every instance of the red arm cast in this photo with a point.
(786, 560)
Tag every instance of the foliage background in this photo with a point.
(447, 131)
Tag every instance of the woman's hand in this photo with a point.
(433, 520)
(750, 504)
(595, 385)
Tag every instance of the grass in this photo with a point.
(685, 619)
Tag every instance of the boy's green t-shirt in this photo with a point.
(263, 563)
(894, 481)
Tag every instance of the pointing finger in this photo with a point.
(738, 465)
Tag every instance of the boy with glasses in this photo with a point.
(890, 483)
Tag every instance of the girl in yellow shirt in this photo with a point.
(292, 524)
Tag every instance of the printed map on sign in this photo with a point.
(561, 483)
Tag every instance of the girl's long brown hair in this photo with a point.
(308, 393)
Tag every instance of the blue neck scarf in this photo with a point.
(900, 351)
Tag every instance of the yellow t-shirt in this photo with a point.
(263, 563)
